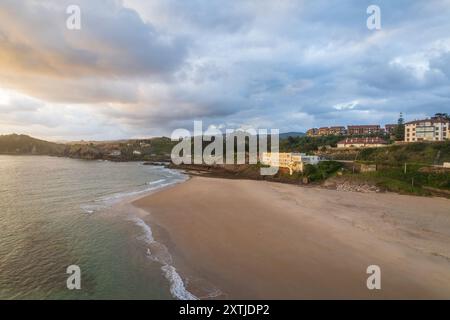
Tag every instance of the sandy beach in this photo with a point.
(262, 240)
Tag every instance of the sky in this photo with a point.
(142, 68)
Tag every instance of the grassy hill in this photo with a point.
(420, 152)
(408, 168)
(154, 149)
(26, 145)
(286, 135)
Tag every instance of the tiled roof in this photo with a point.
(365, 126)
(432, 120)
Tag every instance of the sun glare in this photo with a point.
(5, 97)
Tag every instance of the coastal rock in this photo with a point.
(350, 186)
(355, 187)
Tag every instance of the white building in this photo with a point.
(292, 161)
(137, 153)
(434, 129)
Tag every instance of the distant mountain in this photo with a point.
(292, 134)
(23, 144)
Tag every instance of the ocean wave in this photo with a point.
(148, 234)
(109, 200)
(158, 252)
(156, 181)
(177, 288)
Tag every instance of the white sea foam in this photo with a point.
(109, 200)
(177, 288)
(156, 182)
(87, 209)
(148, 235)
(159, 253)
(155, 250)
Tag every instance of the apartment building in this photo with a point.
(433, 129)
(390, 128)
(312, 132)
(338, 131)
(295, 162)
(326, 131)
(351, 130)
(363, 129)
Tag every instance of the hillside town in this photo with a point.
(435, 128)
(360, 137)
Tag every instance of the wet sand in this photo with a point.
(262, 240)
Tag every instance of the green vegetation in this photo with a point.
(155, 149)
(417, 179)
(22, 144)
(421, 178)
(400, 130)
(308, 144)
(421, 152)
(322, 171)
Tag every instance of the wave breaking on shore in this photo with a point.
(158, 252)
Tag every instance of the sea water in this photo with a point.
(57, 212)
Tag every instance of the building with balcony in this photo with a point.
(363, 129)
(433, 129)
(338, 130)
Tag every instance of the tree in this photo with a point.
(400, 131)
(442, 115)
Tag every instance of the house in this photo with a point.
(137, 153)
(361, 142)
(295, 162)
(433, 129)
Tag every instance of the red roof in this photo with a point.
(365, 126)
(432, 120)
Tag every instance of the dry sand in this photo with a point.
(262, 240)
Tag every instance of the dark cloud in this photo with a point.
(113, 41)
(146, 67)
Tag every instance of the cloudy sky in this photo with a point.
(140, 68)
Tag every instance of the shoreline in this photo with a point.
(264, 240)
(156, 250)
